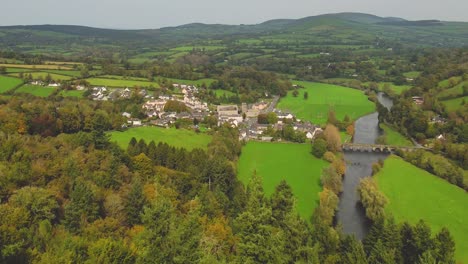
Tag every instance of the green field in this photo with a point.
(412, 74)
(455, 91)
(220, 92)
(416, 194)
(36, 90)
(43, 75)
(120, 83)
(292, 162)
(197, 83)
(175, 137)
(394, 138)
(455, 104)
(8, 83)
(324, 97)
(72, 93)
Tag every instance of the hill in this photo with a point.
(340, 28)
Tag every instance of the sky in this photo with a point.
(142, 14)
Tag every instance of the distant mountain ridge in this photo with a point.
(426, 32)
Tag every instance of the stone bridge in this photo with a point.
(375, 148)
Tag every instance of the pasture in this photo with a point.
(455, 104)
(43, 75)
(38, 66)
(181, 138)
(8, 83)
(72, 93)
(415, 194)
(326, 97)
(394, 138)
(120, 83)
(291, 162)
(36, 90)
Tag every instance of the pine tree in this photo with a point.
(156, 243)
(444, 251)
(282, 202)
(82, 207)
(134, 203)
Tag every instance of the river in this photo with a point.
(351, 214)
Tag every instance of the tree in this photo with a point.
(282, 202)
(306, 95)
(444, 251)
(331, 180)
(155, 242)
(259, 242)
(333, 138)
(110, 251)
(319, 147)
(328, 202)
(332, 117)
(82, 207)
(372, 199)
(295, 93)
(39, 202)
(134, 203)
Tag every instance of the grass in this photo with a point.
(197, 83)
(42, 75)
(8, 83)
(120, 83)
(220, 92)
(39, 66)
(455, 91)
(325, 97)
(36, 90)
(415, 194)
(175, 137)
(292, 162)
(71, 93)
(394, 138)
(455, 104)
(412, 74)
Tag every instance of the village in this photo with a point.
(250, 119)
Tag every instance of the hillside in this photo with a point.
(341, 28)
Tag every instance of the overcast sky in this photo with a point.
(136, 14)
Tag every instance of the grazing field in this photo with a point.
(455, 91)
(394, 138)
(35, 90)
(197, 83)
(120, 83)
(455, 104)
(412, 74)
(43, 75)
(8, 83)
(175, 137)
(292, 162)
(66, 72)
(39, 66)
(325, 97)
(220, 92)
(416, 194)
(71, 93)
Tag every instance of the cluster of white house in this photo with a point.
(155, 107)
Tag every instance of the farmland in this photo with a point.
(394, 138)
(292, 162)
(40, 66)
(455, 104)
(36, 90)
(120, 83)
(181, 138)
(409, 189)
(8, 83)
(43, 75)
(326, 97)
